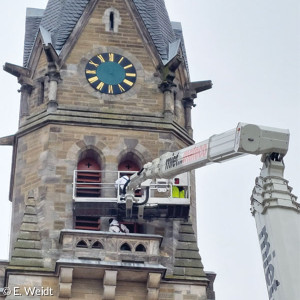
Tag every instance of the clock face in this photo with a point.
(110, 73)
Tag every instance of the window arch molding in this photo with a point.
(91, 152)
(112, 20)
(131, 155)
(79, 149)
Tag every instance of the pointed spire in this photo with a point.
(27, 252)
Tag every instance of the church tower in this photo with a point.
(105, 88)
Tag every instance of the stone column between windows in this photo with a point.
(25, 90)
(54, 78)
(169, 106)
(188, 104)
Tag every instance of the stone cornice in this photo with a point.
(63, 116)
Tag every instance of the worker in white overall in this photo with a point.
(115, 226)
(119, 184)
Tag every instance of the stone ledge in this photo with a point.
(187, 254)
(25, 235)
(27, 253)
(191, 263)
(187, 237)
(28, 244)
(187, 246)
(107, 120)
(26, 262)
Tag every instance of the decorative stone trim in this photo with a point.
(65, 282)
(89, 243)
(133, 246)
(111, 243)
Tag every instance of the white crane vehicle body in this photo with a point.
(274, 207)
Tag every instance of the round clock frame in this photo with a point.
(110, 73)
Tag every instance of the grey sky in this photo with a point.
(251, 52)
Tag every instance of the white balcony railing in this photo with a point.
(97, 186)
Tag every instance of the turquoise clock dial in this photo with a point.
(110, 73)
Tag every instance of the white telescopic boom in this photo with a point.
(274, 207)
(277, 217)
(245, 139)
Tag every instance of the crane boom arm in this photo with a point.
(274, 207)
(245, 139)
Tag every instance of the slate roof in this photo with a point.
(33, 20)
(60, 17)
(179, 35)
(156, 20)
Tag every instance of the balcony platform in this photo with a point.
(101, 207)
(104, 199)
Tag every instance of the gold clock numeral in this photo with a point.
(93, 79)
(128, 66)
(128, 82)
(121, 59)
(121, 88)
(111, 57)
(101, 58)
(90, 72)
(94, 64)
(130, 74)
(100, 86)
(110, 89)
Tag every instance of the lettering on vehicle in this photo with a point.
(195, 153)
(173, 161)
(268, 257)
(189, 156)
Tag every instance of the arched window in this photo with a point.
(88, 179)
(125, 247)
(140, 248)
(88, 164)
(82, 244)
(111, 19)
(128, 166)
(97, 245)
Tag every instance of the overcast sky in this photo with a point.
(250, 50)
